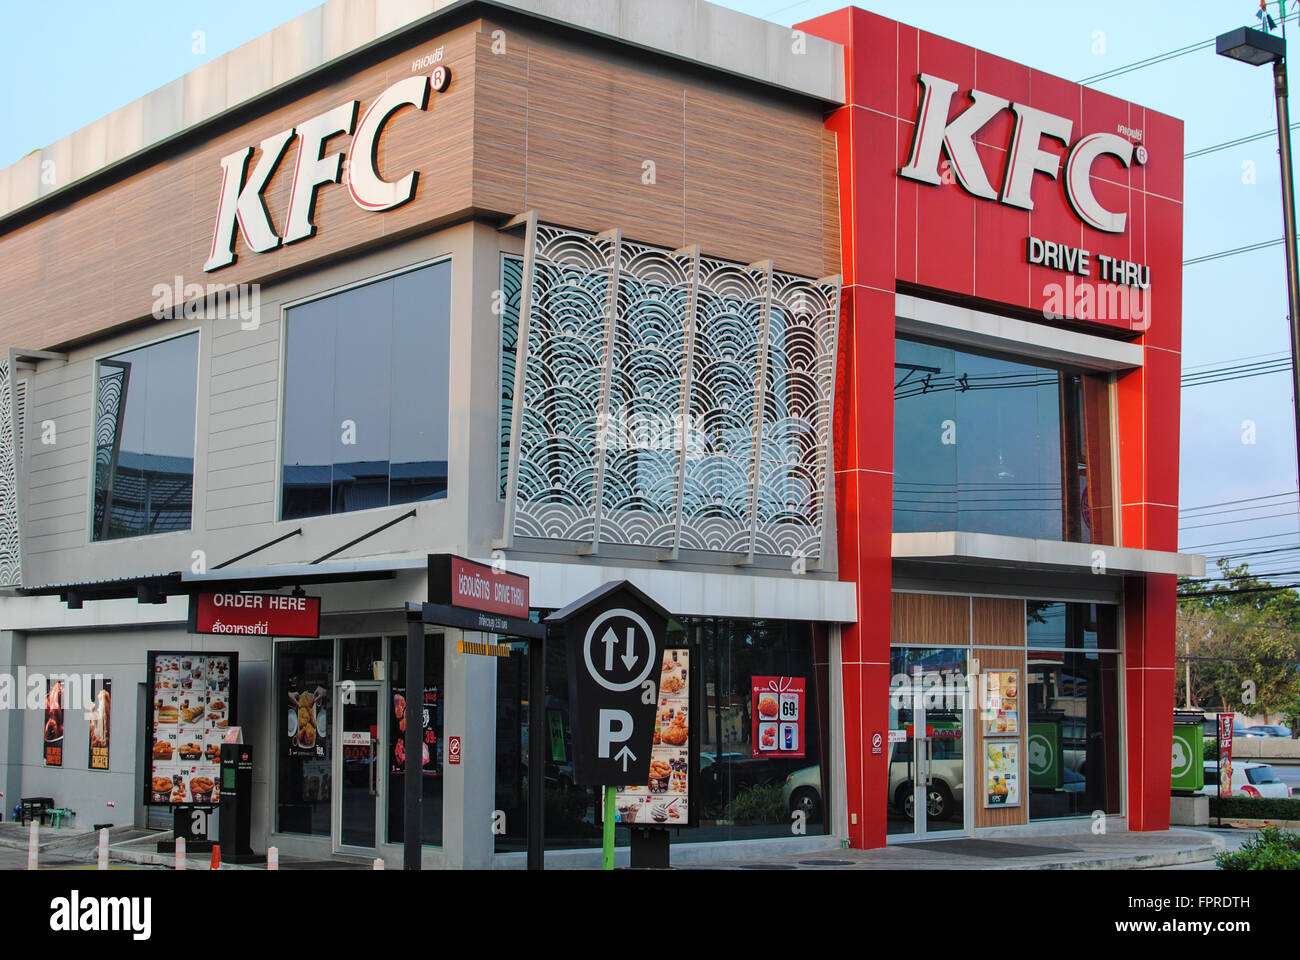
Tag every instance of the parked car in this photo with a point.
(803, 791)
(947, 789)
(1270, 730)
(1212, 727)
(1248, 780)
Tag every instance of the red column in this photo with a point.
(867, 132)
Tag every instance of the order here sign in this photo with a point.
(258, 614)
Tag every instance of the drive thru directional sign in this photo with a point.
(615, 637)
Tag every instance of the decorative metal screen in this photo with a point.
(10, 539)
(670, 400)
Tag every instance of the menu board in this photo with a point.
(1001, 773)
(192, 706)
(665, 800)
(1002, 703)
(97, 719)
(777, 716)
(54, 723)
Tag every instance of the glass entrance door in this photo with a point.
(927, 729)
(358, 766)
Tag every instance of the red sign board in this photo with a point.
(258, 614)
(453, 749)
(777, 716)
(476, 586)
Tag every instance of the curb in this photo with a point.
(67, 840)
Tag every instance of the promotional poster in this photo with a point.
(1002, 773)
(54, 723)
(397, 723)
(98, 720)
(777, 713)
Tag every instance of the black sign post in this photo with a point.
(615, 637)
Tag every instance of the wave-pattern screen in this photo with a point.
(672, 400)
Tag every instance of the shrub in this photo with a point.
(1270, 849)
(1255, 808)
(760, 803)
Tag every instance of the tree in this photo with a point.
(1241, 636)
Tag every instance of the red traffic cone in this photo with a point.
(216, 857)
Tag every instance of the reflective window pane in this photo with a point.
(366, 396)
(990, 445)
(144, 439)
(1073, 760)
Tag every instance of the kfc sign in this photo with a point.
(241, 203)
(1025, 155)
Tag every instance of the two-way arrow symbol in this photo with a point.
(610, 640)
(625, 754)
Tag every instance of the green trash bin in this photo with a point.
(1188, 762)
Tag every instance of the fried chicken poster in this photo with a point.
(776, 716)
(54, 723)
(398, 726)
(98, 721)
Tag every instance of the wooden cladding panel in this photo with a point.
(550, 124)
(997, 623)
(999, 816)
(929, 619)
(747, 178)
(91, 267)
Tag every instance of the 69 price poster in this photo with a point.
(777, 714)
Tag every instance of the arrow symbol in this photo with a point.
(629, 658)
(625, 754)
(610, 640)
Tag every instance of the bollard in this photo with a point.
(273, 858)
(33, 845)
(180, 854)
(103, 850)
(379, 863)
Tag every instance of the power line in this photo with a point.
(1234, 143)
(1158, 58)
(1233, 252)
(1224, 523)
(1225, 503)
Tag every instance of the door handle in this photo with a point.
(374, 770)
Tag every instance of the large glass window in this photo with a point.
(740, 797)
(989, 445)
(144, 439)
(366, 394)
(1073, 762)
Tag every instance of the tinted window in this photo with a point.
(1260, 774)
(144, 439)
(366, 396)
(988, 445)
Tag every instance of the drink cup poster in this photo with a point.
(777, 707)
(1001, 773)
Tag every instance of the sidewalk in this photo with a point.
(1116, 851)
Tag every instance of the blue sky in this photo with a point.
(64, 63)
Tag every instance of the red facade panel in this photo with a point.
(899, 233)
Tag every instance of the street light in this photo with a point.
(1257, 48)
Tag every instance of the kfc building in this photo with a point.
(588, 295)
